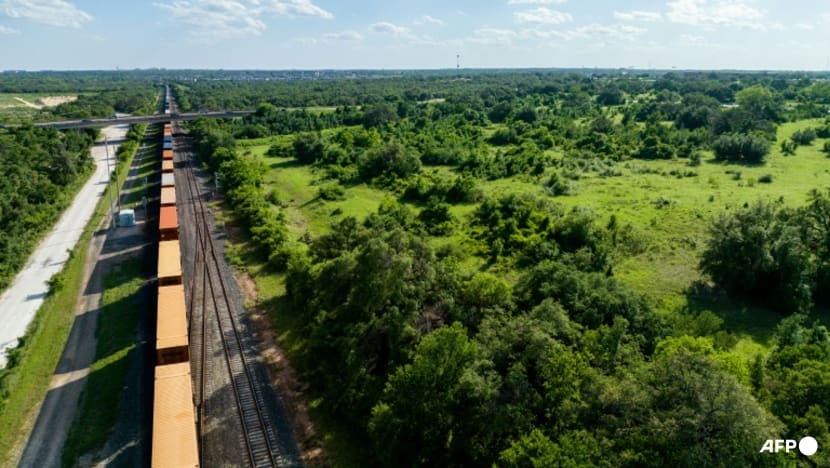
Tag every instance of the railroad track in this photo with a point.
(258, 439)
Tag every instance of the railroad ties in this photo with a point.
(212, 310)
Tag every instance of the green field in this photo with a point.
(667, 214)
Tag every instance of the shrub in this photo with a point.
(804, 137)
(741, 148)
(309, 147)
(332, 192)
(765, 179)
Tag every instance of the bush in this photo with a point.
(757, 252)
(765, 179)
(309, 147)
(741, 148)
(804, 137)
(392, 159)
(557, 185)
(332, 192)
(788, 147)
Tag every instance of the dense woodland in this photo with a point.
(538, 355)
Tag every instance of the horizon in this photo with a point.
(762, 35)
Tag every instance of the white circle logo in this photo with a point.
(808, 446)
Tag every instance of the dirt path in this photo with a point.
(28, 104)
(58, 410)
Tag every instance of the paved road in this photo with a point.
(23, 298)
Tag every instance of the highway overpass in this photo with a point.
(154, 118)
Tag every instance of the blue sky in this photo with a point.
(312, 34)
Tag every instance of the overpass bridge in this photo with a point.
(133, 119)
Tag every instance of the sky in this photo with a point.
(394, 34)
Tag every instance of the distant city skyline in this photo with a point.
(328, 34)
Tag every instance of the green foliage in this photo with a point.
(741, 148)
(804, 137)
(759, 252)
(42, 169)
(309, 147)
(391, 161)
(438, 382)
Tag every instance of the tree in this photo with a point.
(431, 410)
(756, 252)
(761, 102)
(391, 159)
(379, 115)
(741, 148)
(309, 147)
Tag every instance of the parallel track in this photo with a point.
(258, 438)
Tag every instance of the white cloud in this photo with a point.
(292, 8)
(402, 33)
(385, 27)
(216, 20)
(50, 12)
(352, 36)
(542, 15)
(722, 13)
(594, 31)
(612, 31)
(426, 19)
(535, 2)
(646, 16)
(805, 26)
(493, 37)
(8, 30)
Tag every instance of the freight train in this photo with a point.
(174, 441)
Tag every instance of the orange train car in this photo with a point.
(167, 166)
(174, 423)
(168, 196)
(167, 154)
(170, 263)
(168, 223)
(171, 327)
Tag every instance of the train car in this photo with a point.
(168, 129)
(168, 145)
(174, 423)
(167, 154)
(168, 196)
(168, 180)
(167, 166)
(171, 327)
(170, 263)
(168, 223)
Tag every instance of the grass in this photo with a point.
(116, 329)
(44, 341)
(664, 217)
(115, 332)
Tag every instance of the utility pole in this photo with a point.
(458, 65)
(109, 182)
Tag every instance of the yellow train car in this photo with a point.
(174, 423)
(172, 345)
(170, 263)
